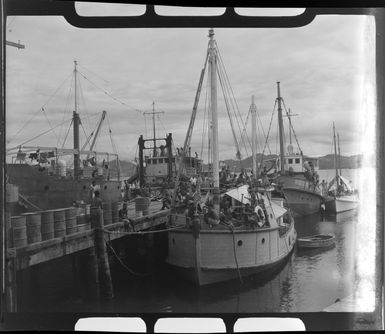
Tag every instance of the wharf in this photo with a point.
(39, 252)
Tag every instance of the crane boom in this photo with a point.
(97, 131)
(190, 128)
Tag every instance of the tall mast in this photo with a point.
(253, 110)
(289, 116)
(335, 154)
(280, 125)
(153, 124)
(76, 122)
(214, 115)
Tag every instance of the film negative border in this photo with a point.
(313, 321)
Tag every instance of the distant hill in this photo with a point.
(325, 162)
(127, 168)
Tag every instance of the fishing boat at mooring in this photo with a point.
(296, 177)
(340, 196)
(49, 177)
(232, 233)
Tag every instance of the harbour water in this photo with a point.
(308, 282)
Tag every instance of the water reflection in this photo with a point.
(308, 281)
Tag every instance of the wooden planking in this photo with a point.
(54, 248)
(182, 249)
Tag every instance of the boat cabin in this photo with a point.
(296, 163)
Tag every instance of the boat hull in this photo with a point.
(303, 202)
(50, 192)
(341, 204)
(210, 257)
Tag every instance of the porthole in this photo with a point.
(105, 187)
(263, 240)
(240, 243)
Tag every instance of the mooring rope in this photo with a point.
(235, 253)
(143, 232)
(123, 265)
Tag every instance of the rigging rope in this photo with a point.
(84, 104)
(108, 94)
(267, 137)
(33, 116)
(295, 136)
(123, 265)
(69, 128)
(238, 153)
(66, 108)
(49, 123)
(236, 108)
(39, 135)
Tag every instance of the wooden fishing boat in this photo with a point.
(295, 176)
(317, 241)
(342, 203)
(211, 242)
(339, 196)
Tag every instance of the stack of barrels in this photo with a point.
(29, 228)
(71, 221)
(33, 226)
(142, 205)
(59, 223)
(83, 222)
(19, 231)
(47, 225)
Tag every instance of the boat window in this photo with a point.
(240, 242)
(166, 160)
(263, 240)
(154, 162)
(290, 161)
(160, 161)
(173, 160)
(297, 161)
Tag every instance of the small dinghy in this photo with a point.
(317, 241)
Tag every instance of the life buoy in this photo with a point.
(258, 210)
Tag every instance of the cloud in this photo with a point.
(320, 67)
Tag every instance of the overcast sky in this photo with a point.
(323, 69)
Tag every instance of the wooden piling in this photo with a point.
(10, 267)
(106, 289)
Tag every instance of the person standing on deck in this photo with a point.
(93, 188)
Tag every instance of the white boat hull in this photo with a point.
(342, 204)
(210, 257)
